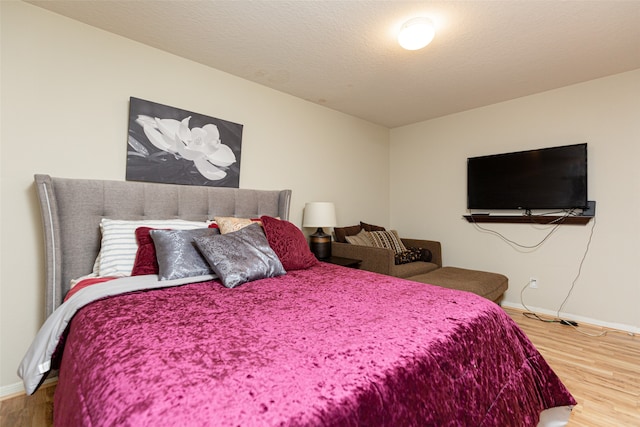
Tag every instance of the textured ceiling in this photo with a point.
(344, 54)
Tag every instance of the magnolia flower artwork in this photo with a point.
(175, 146)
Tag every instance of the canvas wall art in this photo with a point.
(174, 146)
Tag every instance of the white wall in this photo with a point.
(65, 91)
(428, 196)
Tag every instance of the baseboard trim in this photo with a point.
(17, 389)
(580, 319)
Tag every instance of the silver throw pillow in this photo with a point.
(241, 256)
(177, 253)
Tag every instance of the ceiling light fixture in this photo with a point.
(416, 33)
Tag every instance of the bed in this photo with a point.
(307, 344)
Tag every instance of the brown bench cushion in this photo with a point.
(413, 269)
(488, 285)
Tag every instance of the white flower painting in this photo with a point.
(170, 145)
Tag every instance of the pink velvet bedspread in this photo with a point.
(327, 346)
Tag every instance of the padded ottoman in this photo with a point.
(488, 285)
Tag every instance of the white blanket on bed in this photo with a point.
(37, 361)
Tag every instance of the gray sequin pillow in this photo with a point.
(241, 256)
(177, 253)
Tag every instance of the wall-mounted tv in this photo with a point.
(547, 178)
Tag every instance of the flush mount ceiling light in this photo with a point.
(416, 33)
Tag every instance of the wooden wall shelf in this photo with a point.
(528, 219)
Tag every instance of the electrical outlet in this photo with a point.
(533, 283)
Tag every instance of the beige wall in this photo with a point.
(64, 107)
(428, 195)
(65, 91)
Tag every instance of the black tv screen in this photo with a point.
(548, 178)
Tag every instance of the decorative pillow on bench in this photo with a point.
(360, 239)
(371, 227)
(378, 239)
(413, 255)
(376, 236)
(352, 230)
(387, 240)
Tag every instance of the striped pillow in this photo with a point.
(118, 247)
(388, 240)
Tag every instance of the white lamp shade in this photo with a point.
(319, 214)
(416, 33)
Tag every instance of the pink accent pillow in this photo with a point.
(145, 262)
(288, 242)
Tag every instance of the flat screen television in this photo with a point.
(547, 178)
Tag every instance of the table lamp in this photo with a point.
(318, 215)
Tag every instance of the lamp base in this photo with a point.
(320, 244)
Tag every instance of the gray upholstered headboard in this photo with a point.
(72, 209)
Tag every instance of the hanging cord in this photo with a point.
(556, 223)
(530, 314)
(584, 256)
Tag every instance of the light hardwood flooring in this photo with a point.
(602, 373)
(29, 411)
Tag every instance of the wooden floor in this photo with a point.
(602, 373)
(29, 411)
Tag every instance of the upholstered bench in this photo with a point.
(489, 285)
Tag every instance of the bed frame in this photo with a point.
(71, 213)
(72, 209)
